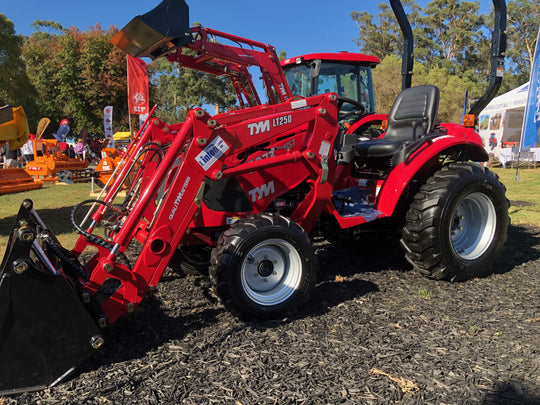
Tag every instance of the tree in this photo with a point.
(177, 89)
(451, 33)
(376, 40)
(523, 26)
(77, 74)
(15, 86)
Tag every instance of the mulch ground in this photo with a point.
(374, 332)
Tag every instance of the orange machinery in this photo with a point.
(49, 162)
(14, 132)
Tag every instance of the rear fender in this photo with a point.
(367, 121)
(425, 160)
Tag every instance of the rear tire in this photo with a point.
(457, 224)
(263, 267)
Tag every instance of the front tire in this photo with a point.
(457, 224)
(263, 267)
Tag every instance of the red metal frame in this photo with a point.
(221, 59)
(269, 150)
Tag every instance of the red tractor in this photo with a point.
(248, 186)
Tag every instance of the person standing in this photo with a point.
(11, 158)
(79, 149)
(27, 150)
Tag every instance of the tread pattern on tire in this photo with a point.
(222, 255)
(420, 235)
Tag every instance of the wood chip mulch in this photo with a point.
(374, 332)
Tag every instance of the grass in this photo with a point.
(523, 195)
(424, 293)
(54, 203)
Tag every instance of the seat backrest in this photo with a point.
(418, 104)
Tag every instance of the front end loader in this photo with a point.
(239, 194)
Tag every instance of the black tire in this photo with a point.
(263, 267)
(457, 224)
(191, 261)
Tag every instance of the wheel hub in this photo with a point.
(271, 272)
(266, 268)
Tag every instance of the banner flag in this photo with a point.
(42, 125)
(137, 85)
(465, 105)
(107, 124)
(530, 131)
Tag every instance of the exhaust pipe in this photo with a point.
(45, 329)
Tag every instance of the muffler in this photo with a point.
(46, 329)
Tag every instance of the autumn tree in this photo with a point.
(77, 74)
(15, 86)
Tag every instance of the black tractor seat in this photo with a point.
(412, 116)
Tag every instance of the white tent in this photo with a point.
(513, 99)
(501, 121)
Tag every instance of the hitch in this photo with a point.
(45, 329)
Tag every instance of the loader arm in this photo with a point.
(155, 35)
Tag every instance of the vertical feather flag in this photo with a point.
(107, 124)
(530, 131)
(465, 101)
(137, 86)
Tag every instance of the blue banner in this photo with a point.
(531, 121)
(465, 105)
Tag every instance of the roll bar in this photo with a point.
(407, 60)
(498, 50)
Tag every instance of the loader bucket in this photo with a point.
(15, 180)
(45, 329)
(156, 33)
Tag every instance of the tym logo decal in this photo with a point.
(256, 128)
(258, 193)
(212, 153)
(176, 203)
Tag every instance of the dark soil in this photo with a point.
(374, 332)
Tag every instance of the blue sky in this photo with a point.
(296, 26)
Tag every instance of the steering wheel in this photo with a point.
(359, 111)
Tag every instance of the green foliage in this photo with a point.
(452, 49)
(15, 87)
(523, 26)
(76, 75)
(424, 293)
(177, 89)
(375, 40)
